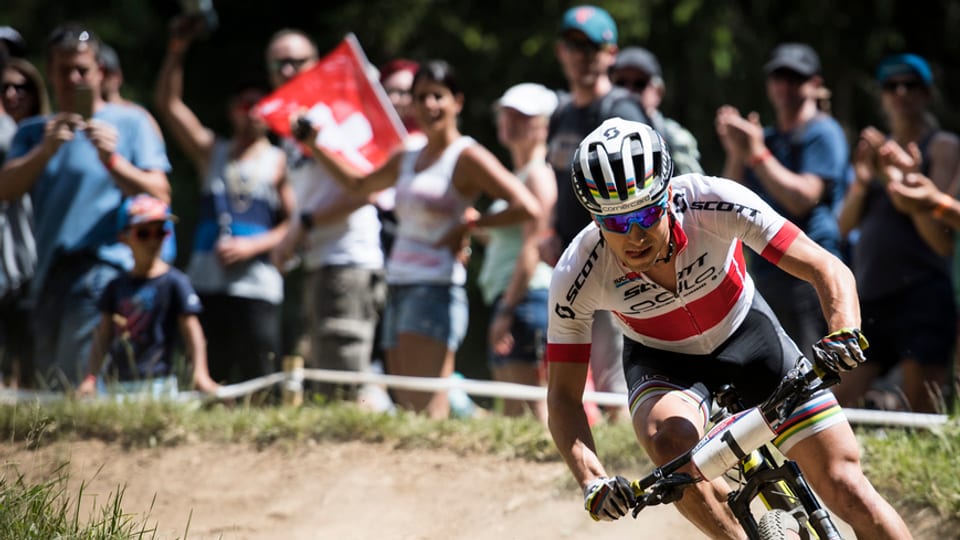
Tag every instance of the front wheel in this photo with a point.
(778, 525)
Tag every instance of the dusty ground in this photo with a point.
(338, 491)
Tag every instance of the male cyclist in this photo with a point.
(665, 256)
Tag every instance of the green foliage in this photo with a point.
(920, 466)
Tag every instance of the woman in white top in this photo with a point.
(514, 281)
(426, 315)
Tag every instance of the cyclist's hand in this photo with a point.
(608, 499)
(841, 350)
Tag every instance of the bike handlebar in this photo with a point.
(665, 485)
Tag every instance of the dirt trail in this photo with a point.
(338, 491)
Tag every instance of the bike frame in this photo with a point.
(779, 485)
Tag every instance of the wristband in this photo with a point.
(112, 161)
(944, 202)
(504, 309)
(763, 156)
(90, 377)
(306, 221)
(471, 224)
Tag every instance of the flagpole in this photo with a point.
(381, 94)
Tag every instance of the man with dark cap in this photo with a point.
(798, 165)
(586, 49)
(638, 70)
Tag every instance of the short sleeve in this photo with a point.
(107, 303)
(185, 297)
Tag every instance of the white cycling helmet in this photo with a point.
(606, 183)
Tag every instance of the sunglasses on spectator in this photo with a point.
(149, 232)
(643, 218)
(584, 45)
(18, 88)
(296, 63)
(637, 85)
(788, 75)
(908, 84)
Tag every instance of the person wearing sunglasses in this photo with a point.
(143, 311)
(78, 164)
(799, 165)
(332, 254)
(245, 209)
(638, 70)
(23, 94)
(902, 258)
(665, 256)
(586, 48)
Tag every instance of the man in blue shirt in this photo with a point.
(798, 166)
(78, 164)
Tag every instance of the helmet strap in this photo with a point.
(670, 245)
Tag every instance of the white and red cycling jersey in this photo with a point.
(714, 217)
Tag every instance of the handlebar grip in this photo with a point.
(638, 490)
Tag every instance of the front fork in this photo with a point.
(783, 488)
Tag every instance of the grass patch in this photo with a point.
(915, 469)
(45, 510)
(919, 467)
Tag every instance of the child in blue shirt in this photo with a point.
(143, 310)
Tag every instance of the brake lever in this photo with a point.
(668, 489)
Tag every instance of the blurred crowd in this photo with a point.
(296, 252)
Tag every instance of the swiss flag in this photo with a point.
(342, 95)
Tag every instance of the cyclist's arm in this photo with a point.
(836, 287)
(568, 421)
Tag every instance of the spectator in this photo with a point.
(339, 236)
(586, 50)
(77, 169)
(113, 81)
(638, 70)
(24, 95)
(513, 279)
(12, 45)
(396, 77)
(426, 314)
(797, 166)
(141, 311)
(110, 91)
(902, 258)
(245, 208)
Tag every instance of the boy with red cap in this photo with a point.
(142, 311)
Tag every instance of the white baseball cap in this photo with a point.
(530, 99)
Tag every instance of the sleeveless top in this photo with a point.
(890, 255)
(500, 257)
(427, 206)
(238, 198)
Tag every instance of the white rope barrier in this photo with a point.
(292, 383)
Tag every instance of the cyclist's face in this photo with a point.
(639, 248)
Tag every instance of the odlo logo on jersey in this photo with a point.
(566, 312)
(690, 279)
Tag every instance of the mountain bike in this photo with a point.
(738, 447)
